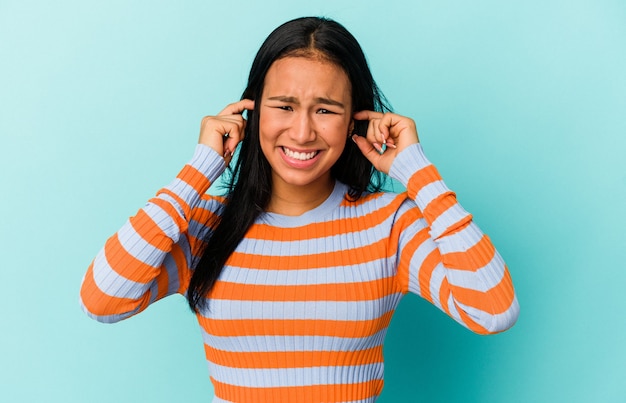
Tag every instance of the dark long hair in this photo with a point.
(250, 184)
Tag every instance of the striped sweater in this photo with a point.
(301, 308)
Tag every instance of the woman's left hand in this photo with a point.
(387, 135)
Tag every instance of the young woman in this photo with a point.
(295, 273)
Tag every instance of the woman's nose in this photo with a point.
(303, 130)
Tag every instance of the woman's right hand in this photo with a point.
(223, 132)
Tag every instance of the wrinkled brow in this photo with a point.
(318, 100)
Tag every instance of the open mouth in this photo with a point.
(298, 155)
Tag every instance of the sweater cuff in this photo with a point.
(409, 161)
(205, 166)
(418, 175)
(207, 162)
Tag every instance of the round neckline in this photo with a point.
(316, 214)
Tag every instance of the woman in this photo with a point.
(294, 275)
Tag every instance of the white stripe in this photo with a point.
(116, 285)
(454, 313)
(439, 273)
(139, 248)
(288, 377)
(162, 218)
(451, 216)
(334, 243)
(113, 284)
(207, 161)
(416, 263)
(483, 279)
(183, 190)
(306, 310)
(107, 318)
(266, 343)
(173, 280)
(430, 192)
(462, 240)
(493, 322)
(370, 206)
(374, 270)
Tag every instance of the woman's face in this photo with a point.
(305, 114)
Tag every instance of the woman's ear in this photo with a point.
(351, 128)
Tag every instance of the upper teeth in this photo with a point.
(298, 155)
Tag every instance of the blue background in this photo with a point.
(521, 105)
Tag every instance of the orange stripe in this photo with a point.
(357, 291)
(293, 359)
(328, 228)
(171, 211)
(476, 257)
(162, 281)
(126, 264)
(421, 178)
(147, 229)
(494, 301)
(438, 205)
(405, 257)
(444, 295)
(101, 304)
(208, 219)
(469, 322)
(194, 178)
(204, 216)
(295, 327)
(313, 393)
(184, 273)
(426, 273)
(346, 257)
(407, 219)
(457, 226)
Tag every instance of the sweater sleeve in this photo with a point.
(148, 258)
(443, 255)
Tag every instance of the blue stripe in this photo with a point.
(289, 377)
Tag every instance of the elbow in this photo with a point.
(104, 308)
(486, 323)
(503, 321)
(105, 313)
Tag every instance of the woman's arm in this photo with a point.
(442, 254)
(451, 263)
(148, 258)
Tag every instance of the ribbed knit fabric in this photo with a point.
(301, 310)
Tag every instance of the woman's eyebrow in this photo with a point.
(329, 101)
(318, 100)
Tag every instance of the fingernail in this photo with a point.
(353, 137)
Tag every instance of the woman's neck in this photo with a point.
(292, 200)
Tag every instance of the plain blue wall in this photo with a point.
(522, 106)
